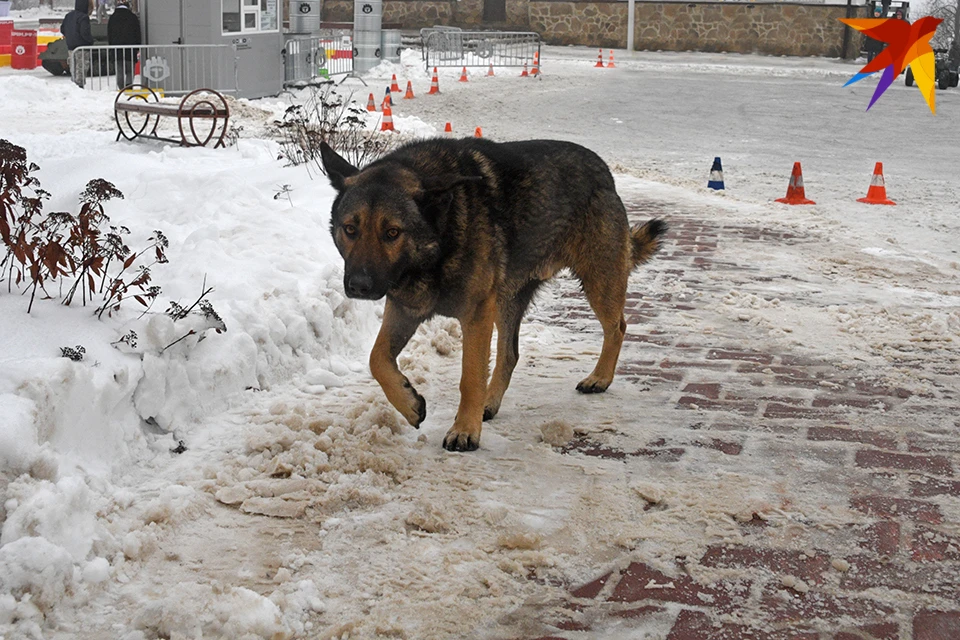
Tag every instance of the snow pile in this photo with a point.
(69, 426)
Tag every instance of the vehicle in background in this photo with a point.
(946, 73)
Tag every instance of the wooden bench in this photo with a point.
(205, 108)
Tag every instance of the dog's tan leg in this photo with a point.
(395, 332)
(506, 361)
(464, 435)
(607, 294)
(509, 316)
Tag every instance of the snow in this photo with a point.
(304, 505)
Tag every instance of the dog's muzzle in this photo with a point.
(360, 285)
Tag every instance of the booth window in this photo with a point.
(249, 16)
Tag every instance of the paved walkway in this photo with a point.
(882, 560)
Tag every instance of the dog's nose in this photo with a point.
(359, 285)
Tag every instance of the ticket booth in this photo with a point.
(254, 26)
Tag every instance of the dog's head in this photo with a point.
(386, 222)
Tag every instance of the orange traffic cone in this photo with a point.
(434, 84)
(795, 192)
(448, 131)
(463, 75)
(478, 133)
(535, 71)
(599, 64)
(524, 74)
(490, 71)
(610, 64)
(393, 84)
(409, 94)
(371, 105)
(877, 193)
(387, 118)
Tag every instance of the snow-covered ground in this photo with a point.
(303, 505)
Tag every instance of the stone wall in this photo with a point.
(774, 28)
(413, 14)
(598, 24)
(777, 29)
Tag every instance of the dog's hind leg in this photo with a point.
(464, 435)
(395, 332)
(606, 290)
(509, 317)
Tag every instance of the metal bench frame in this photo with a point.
(202, 105)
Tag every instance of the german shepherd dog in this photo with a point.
(470, 229)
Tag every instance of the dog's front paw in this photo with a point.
(456, 440)
(593, 384)
(421, 406)
(489, 413)
(416, 410)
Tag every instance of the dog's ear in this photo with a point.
(437, 184)
(337, 169)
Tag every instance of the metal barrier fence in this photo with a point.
(176, 69)
(322, 56)
(451, 47)
(445, 42)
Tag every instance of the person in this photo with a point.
(76, 31)
(76, 26)
(123, 28)
(871, 46)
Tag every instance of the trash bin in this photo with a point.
(392, 43)
(366, 50)
(23, 54)
(367, 21)
(304, 16)
(6, 29)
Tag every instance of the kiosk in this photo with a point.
(254, 27)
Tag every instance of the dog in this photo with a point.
(470, 229)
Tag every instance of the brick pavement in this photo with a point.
(892, 572)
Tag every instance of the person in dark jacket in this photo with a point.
(76, 26)
(76, 31)
(123, 29)
(871, 46)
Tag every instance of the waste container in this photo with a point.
(6, 29)
(304, 16)
(23, 53)
(392, 42)
(367, 22)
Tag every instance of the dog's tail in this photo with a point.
(646, 240)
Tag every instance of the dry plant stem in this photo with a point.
(54, 247)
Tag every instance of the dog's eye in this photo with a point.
(350, 230)
(393, 234)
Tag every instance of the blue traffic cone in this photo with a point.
(716, 175)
